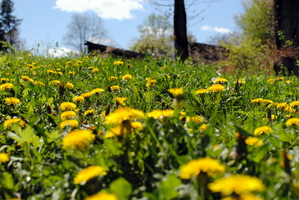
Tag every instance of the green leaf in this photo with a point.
(121, 188)
(7, 180)
(167, 190)
(54, 135)
(259, 153)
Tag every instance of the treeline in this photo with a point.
(9, 24)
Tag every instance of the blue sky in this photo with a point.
(45, 21)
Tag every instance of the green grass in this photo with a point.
(146, 163)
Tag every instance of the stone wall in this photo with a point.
(207, 53)
(108, 50)
(203, 53)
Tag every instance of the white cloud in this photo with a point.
(61, 52)
(106, 9)
(216, 29)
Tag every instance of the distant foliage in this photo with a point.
(155, 36)
(9, 24)
(252, 48)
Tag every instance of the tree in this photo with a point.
(180, 22)
(9, 23)
(156, 33)
(257, 22)
(180, 30)
(83, 27)
(287, 34)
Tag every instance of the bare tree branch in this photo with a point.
(83, 27)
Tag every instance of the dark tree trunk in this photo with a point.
(180, 30)
(286, 14)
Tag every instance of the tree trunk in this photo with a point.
(180, 30)
(286, 14)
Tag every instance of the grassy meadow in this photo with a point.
(116, 129)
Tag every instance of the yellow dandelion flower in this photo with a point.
(86, 95)
(176, 92)
(118, 63)
(263, 130)
(71, 123)
(254, 141)
(203, 127)
(220, 80)
(121, 100)
(257, 100)
(4, 157)
(72, 73)
(150, 82)
(202, 91)
(240, 82)
(55, 82)
(206, 165)
(156, 114)
(271, 80)
(88, 173)
(294, 104)
(289, 109)
(89, 112)
(120, 129)
(279, 79)
(78, 99)
(103, 195)
(6, 86)
(26, 78)
(67, 106)
(137, 125)
(112, 78)
(95, 70)
(197, 119)
(122, 114)
(9, 122)
(97, 91)
(126, 77)
(288, 81)
(67, 115)
(78, 139)
(38, 83)
(12, 101)
(281, 105)
(69, 86)
(115, 88)
(243, 197)
(216, 88)
(292, 122)
(49, 71)
(3, 80)
(238, 184)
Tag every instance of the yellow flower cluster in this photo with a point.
(126, 77)
(89, 173)
(9, 122)
(206, 165)
(78, 139)
(6, 86)
(156, 114)
(67, 106)
(12, 101)
(121, 119)
(238, 184)
(292, 122)
(103, 195)
(123, 114)
(263, 130)
(150, 82)
(4, 157)
(176, 92)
